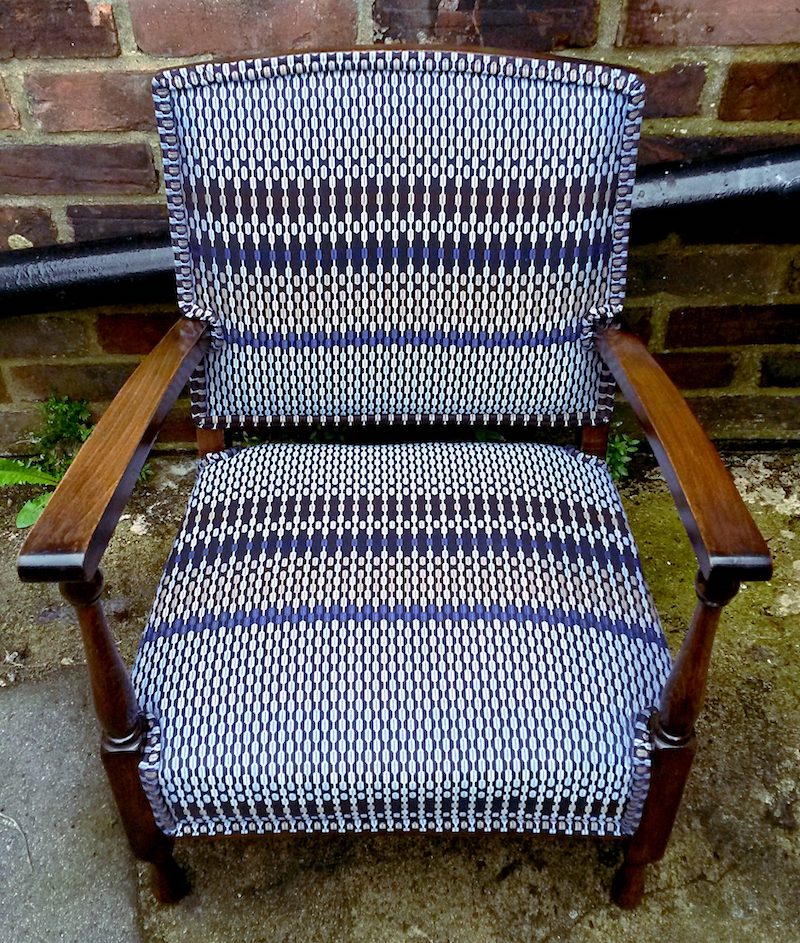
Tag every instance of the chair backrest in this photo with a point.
(400, 236)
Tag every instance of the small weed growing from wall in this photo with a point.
(621, 449)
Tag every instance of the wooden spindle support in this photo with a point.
(674, 745)
(122, 738)
(594, 440)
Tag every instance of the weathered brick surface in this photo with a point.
(711, 22)
(77, 168)
(9, 116)
(780, 370)
(698, 370)
(134, 332)
(91, 101)
(733, 326)
(17, 422)
(92, 381)
(734, 273)
(107, 220)
(42, 335)
(675, 91)
(759, 219)
(638, 320)
(178, 426)
(4, 396)
(749, 416)
(793, 276)
(663, 149)
(58, 29)
(407, 20)
(512, 24)
(761, 91)
(227, 28)
(32, 223)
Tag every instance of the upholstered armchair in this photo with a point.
(409, 630)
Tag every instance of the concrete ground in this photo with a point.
(732, 872)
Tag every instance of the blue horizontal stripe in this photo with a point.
(358, 615)
(408, 543)
(381, 338)
(407, 255)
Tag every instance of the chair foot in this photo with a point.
(170, 883)
(627, 887)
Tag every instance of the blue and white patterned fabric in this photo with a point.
(442, 636)
(400, 236)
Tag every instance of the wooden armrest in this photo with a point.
(720, 528)
(70, 537)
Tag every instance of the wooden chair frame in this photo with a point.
(68, 542)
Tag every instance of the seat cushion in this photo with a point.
(441, 636)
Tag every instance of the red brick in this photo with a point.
(711, 22)
(761, 91)
(77, 168)
(108, 220)
(134, 333)
(698, 371)
(407, 20)
(56, 29)
(733, 273)
(661, 149)
(91, 101)
(17, 424)
(241, 27)
(674, 91)
(42, 335)
(536, 25)
(733, 325)
(780, 370)
(92, 381)
(9, 116)
(33, 223)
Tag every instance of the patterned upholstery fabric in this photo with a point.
(401, 637)
(395, 236)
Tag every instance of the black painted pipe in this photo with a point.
(139, 269)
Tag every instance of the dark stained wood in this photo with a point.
(672, 729)
(114, 698)
(722, 532)
(69, 539)
(594, 440)
(210, 440)
(683, 694)
(122, 738)
(669, 771)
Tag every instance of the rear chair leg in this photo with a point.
(123, 739)
(672, 731)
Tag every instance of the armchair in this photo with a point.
(399, 635)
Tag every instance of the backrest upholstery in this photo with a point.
(400, 236)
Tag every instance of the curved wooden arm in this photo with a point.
(722, 532)
(68, 540)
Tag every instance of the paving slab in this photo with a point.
(65, 870)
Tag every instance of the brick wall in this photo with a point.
(717, 295)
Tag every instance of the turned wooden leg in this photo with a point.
(673, 740)
(122, 739)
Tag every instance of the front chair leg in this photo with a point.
(673, 740)
(123, 739)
